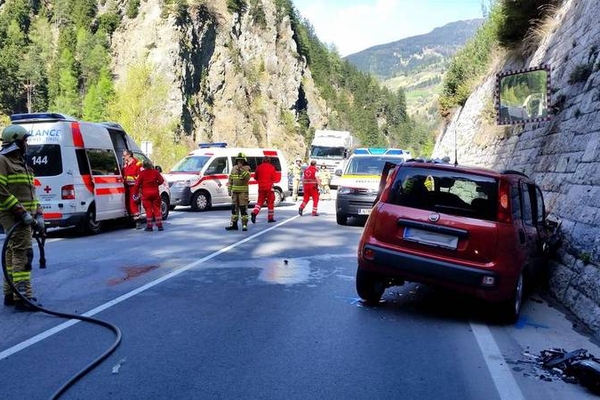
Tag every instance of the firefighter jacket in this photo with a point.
(238, 179)
(131, 171)
(325, 176)
(148, 182)
(297, 171)
(265, 175)
(310, 177)
(16, 184)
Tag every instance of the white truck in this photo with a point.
(331, 148)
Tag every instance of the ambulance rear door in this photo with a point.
(108, 185)
(57, 177)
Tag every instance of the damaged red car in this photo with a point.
(468, 229)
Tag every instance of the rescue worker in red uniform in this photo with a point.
(18, 202)
(266, 176)
(310, 183)
(131, 170)
(147, 184)
(237, 187)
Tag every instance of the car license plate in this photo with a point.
(430, 238)
(364, 211)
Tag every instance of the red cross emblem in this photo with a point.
(47, 189)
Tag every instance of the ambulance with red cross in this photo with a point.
(77, 168)
(200, 179)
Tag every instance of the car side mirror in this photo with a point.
(338, 172)
(523, 96)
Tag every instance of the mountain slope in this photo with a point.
(415, 53)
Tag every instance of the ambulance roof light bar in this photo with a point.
(209, 145)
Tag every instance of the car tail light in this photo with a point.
(504, 213)
(368, 254)
(67, 192)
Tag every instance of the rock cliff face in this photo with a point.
(562, 155)
(223, 68)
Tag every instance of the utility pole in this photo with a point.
(29, 86)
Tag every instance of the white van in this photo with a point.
(77, 168)
(200, 178)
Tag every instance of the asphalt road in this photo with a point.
(271, 313)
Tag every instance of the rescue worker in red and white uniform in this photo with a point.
(266, 176)
(131, 170)
(310, 183)
(18, 202)
(147, 184)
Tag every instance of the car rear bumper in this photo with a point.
(433, 272)
(65, 220)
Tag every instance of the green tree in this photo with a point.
(67, 99)
(11, 70)
(98, 98)
(139, 106)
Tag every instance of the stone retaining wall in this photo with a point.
(562, 156)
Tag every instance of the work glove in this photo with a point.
(21, 213)
(39, 221)
(27, 218)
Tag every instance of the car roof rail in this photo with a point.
(514, 172)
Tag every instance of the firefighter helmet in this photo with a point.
(14, 132)
(240, 157)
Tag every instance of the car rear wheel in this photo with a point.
(89, 225)
(164, 206)
(369, 286)
(510, 309)
(278, 197)
(200, 201)
(341, 219)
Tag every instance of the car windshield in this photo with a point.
(369, 165)
(191, 164)
(447, 192)
(327, 152)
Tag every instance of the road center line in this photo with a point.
(505, 382)
(46, 334)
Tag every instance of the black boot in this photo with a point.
(9, 300)
(21, 305)
(232, 227)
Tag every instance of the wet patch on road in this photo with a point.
(285, 272)
(132, 272)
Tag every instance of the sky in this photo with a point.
(355, 25)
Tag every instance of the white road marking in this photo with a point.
(505, 382)
(46, 334)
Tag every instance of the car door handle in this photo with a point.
(521, 236)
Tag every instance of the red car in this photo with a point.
(472, 230)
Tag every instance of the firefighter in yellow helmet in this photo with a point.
(18, 202)
(237, 187)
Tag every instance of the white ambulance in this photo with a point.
(200, 178)
(77, 168)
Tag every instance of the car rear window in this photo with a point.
(448, 192)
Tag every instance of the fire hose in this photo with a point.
(40, 237)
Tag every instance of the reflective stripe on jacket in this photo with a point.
(238, 179)
(16, 183)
